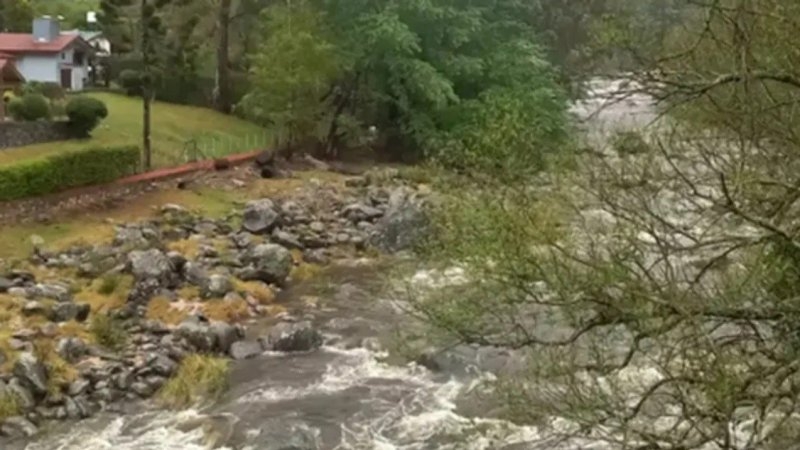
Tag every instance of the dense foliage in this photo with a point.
(67, 170)
(419, 71)
(84, 114)
(30, 107)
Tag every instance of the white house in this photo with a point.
(47, 55)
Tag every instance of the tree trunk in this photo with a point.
(222, 90)
(147, 98)
(147, 94)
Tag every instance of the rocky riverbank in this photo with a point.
(85, 328)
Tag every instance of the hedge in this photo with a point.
(67, 170)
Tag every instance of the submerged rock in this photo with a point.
(293, 337)
(245, 350)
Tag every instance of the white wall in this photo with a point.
(47, 68)
(39, 67)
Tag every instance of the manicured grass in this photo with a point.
(173, 125)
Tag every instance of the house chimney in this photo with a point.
(46, 29)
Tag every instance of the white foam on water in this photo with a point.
(158, 432)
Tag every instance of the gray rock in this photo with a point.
(54, 291)
(404, 223)
(20, 292)
(142, 389)
(5, 285)
(31, 372)
(74, 410)
(151, 263)
(242, 240)
(64, 312)
(34, 308)
(293, 337)
(225, 335)
(23, 394)
(272, 263)
(195, 274)
(129, 236)
(144, 290)
(164, 366)
(218, 285)
(316, 256)
(197, 333)
(178, 261)
(18, 427)
(287, 239)
(245, 350)
(317, 227)
(259, 216)
(124, 380)
(358, 212)
(79, 386)
(71, 349)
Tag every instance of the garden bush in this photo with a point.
(131, 81)
(51, 91)
(67, 170)
(29, 107)
(85, 113)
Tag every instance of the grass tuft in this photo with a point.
(161, 309)
(9, 405)
(108, 332)
(256, 289)
(199, 378)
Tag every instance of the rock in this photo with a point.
(31, 373)
(5, 285)
(242, 240)
(20, 292)
(34, 308)
(178, 261)
(259, 216)
(36, 240)
(404, 223)
(124, 380)
(286, 239)
(265, 158)
(317, 227)
(272, 263)
(225, 335)
(197, 333)
(218, 285)
(129, 236)
(316, 256)
(22, 393)
(53, 291)
(172, 208)
(142, 389)
(164, 366)
(293, 337)
(71, 349)
(64, 312)
(79, 386)
(18, 427)
(356, 182)
(358, 212)
(143, 291)
(245, 350)
(74, 409)
(151, 263)
(195, 274)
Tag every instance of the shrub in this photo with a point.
(629, 143)
(85, 113)
(50, 90)
(108, 332)
(199, 377)
(67, 170)
(131, 81)
(9, 405)
(29, 107)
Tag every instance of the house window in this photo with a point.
(63, 56)
(77, 59)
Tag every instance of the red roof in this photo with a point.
(25, 43)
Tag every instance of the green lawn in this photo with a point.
(173, 126)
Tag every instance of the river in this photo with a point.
(350, 394)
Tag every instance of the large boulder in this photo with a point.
(404, 223)
(195, 274)
(271, 263)
(151, 263)
(196, 331)
(293, 337)
(32, 373)
(217, 286)
(245, 350)
(260, 216)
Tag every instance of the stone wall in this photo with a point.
(17, 134)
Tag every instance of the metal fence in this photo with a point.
(213, 146)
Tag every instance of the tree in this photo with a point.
(222, 96)
(17, 16)
(656, 293)
(406, 68)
